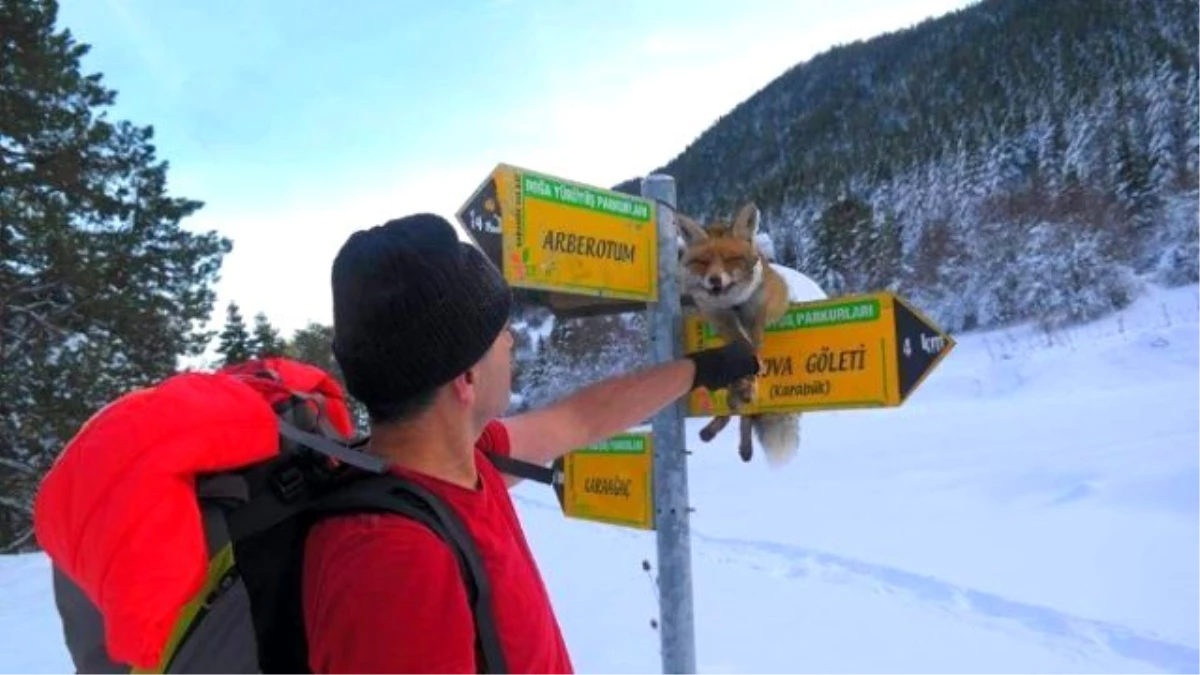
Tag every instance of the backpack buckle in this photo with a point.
(288, 483)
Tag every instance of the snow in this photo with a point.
(1033, 507)
(541, 334)
(766, 245)
(536, 331)
(801, 288)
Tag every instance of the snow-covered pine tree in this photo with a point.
(1178, 248)
(1074, 275)
(1166, 121)
(1192, 125)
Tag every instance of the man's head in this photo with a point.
(420, 318)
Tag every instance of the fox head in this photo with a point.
(720, 265)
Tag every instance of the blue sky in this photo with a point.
(301, 121)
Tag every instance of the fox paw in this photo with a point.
(752, 389)
(743, 388)
(743, 392)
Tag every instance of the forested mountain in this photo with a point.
(1013, 160)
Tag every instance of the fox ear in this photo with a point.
(691, 231)
(745, 225)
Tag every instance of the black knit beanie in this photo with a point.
(413, 307)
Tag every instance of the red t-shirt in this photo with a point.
(383, 594)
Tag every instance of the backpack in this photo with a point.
(175, 521)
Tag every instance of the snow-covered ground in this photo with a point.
(1034, 507)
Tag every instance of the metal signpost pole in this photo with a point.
(670, 459)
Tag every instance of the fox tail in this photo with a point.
(779, 436)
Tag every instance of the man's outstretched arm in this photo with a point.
(613, 405)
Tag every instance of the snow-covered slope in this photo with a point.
(1034, 507)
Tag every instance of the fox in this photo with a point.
(737, 291)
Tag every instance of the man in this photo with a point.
(420, 334)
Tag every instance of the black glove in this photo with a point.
(719, 367)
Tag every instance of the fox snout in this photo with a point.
(716, 283)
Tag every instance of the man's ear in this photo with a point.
(745, 224)
(463, 386)
(691, 232)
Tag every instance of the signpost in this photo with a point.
(610, 481)
(583, 250)
(672, 506)
(577, 248)
(862, 351)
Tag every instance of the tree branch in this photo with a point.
(19, 507)
(18, 466)
(32, 290)
(17, 543)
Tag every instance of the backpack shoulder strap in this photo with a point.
(389, 493)
(521, 469)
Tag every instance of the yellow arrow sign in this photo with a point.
(552, 234)
(860, 351)
(611, 481)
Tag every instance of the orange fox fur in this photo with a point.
(739, 293)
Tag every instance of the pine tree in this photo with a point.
(1179, 248)
(313, 345)
(1191, 129)
(1166, 121)
(235, 344)
(882, 266)
(1070, 275)
(266, 340)
(843, 234)
(101, 289)
(1134, 169)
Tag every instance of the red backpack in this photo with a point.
(175, 520)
